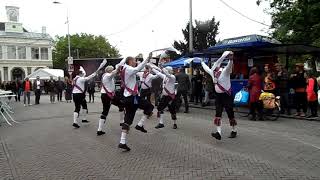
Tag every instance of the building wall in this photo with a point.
(27, 64)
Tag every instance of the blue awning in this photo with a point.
(181, 62)
(244, 42)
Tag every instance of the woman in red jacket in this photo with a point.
(254, 87)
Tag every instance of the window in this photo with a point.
(21, 52)
(44, 53)
(11, 52)
(34, 53)
(1, 52)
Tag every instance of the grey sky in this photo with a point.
(144, 25)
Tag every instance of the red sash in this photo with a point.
(145, 75)
(123, 84)
(110, 94)
(217, 74)
(75, 84)
(172, 95)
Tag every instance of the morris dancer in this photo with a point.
(168, 95)
(146, 83)
(221, 79)
(79, 97)
(131, 98)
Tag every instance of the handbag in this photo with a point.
(241, 97)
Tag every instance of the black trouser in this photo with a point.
(157, 94)
(131, 104)
(313, 105)
(301, 101)
(256, 107)
(223, 100)
(198, 96)
(184, 94)
(284, 102)
(145, 94)
(17, 97)
(79, 100)
(59, 95)
(91, 95)
(37, 96)
(107, 101)
(167, 101)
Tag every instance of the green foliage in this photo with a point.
(84, 46)
(204, 36)
(295, 21)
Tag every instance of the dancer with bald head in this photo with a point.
(132, 101)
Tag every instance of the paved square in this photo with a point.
(45, 146)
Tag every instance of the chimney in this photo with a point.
(44, 30)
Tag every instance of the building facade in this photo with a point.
(22, 52)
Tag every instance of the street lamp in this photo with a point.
(70, 59)
(190, 28)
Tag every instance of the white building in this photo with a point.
(22, 52)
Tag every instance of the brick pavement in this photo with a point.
(45, 146)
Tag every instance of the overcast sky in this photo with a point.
(137, 26)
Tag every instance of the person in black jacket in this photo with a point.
(197, 82)
(60, 88)
(91, 90)
(183, 88)
(52, 89)
(299, 83)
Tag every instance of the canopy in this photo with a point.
(183, 61)
(47, 73)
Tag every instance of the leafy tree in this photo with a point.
(204, 36)
(295, 21)
(82, 46)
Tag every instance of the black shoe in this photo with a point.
(124, 146)
(216, 135)
(186, 111)
(159, 126)
(99, 133)
(75, 125)
(85, 121)
(121, 124)
(233, 134)
(141, 128)
(175, 126)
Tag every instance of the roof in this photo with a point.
(2, 27)
(47, 73)
(26, 35)
(257, 44)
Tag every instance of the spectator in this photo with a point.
(91, 90)
(52, 89)
(37, 89)
(60, 88)
(68, 90)
(282, 84)
(312, 97)
(254, 87)
(299, 83)
(269, 80)
(197, 82)
(183, 87)
(209, 88)
(27, 88)
(16, 90)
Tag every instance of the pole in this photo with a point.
(69, 44)
(190, 28)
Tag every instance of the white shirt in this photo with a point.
(38, 84)
(108, 82)
(224, 78)
(80, 83)
(146, 82)
(130, 77)
(168, 82)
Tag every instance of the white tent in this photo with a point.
(46, 74)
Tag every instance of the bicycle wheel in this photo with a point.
(272, 114)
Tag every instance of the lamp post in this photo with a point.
(190, 28)
(70, 58)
